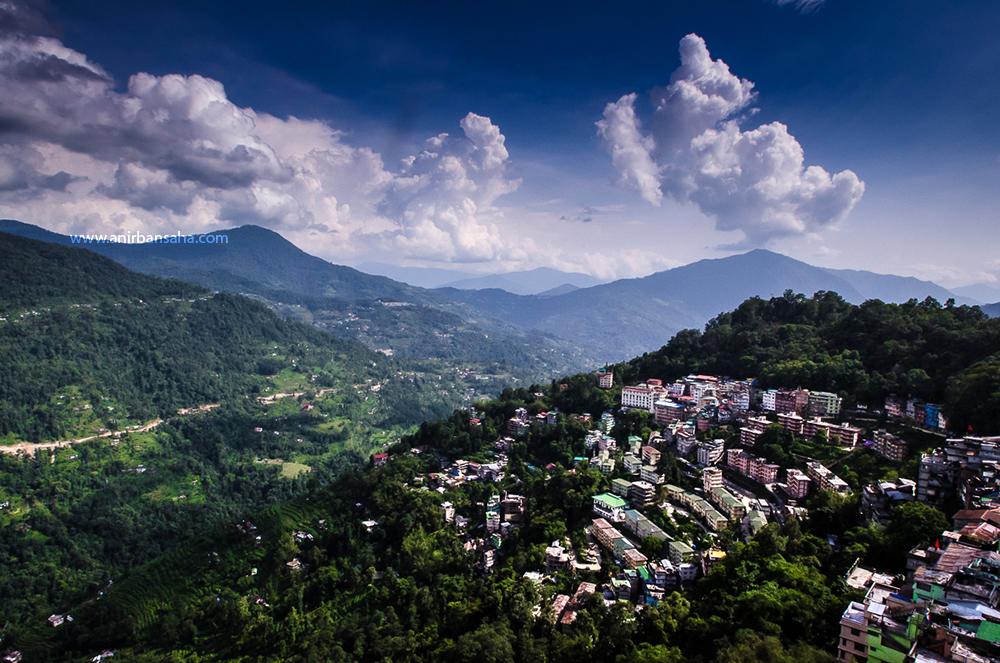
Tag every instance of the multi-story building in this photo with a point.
(879, 500)
(680, 552)
(632, 464)
(711, 479)
(841, 435)
(650, 455)
(605, 379)
(824, 404)
(709, 453)
(890, 446)
(895, 406)
(667, 412)
(937, 478)
(784, 402)
(825, 479)
(791, 422)
(650, 474)
(639, 397)
(556, 559)
(621, 487)
(610, 507)
(727, 503)
(642, 527)
(642, 493)
(768, 400)
(752, 429)
(798, 484)
(751, 466)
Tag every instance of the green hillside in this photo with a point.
(939, 352)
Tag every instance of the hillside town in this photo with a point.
(945, 608)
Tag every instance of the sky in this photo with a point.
(615, 141)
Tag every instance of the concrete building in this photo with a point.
(890, 446)
(798, 484)
(667, 412)
(609, 506)
(650, 474)
(825, 479)
(709, 453)
(824, 404)
(650, 455)
(642, 493)
(711, 479)
(638, 398)
(605, 379)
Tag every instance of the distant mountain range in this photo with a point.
(628, 317)
(610, 322)
(531, 282)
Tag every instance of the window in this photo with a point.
(859, 646)
(855, 631)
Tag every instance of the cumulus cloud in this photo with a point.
(441, 193)
(174, 152)
(693, 150)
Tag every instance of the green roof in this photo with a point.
(612, 501)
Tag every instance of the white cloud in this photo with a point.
(173, 152)
(694, 151)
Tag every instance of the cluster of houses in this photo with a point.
(916, 410)
(964, 468)
(945, 606)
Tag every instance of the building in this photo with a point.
(449, 512)
(711, 479)
(937, 479)
(650, 455)
(680, 553)
(895, 406)
(639, 397)
(824, 404)
(642, 527)
(890, 446)
(649, 474)
(753, 467)
(621, 487)
(632, 464)
(791, 423)
(556, 558)
(730, 505)
(605, 379)
(667, 412)
(768, 400)
(709, 453)
(609, 506)
(752, 430)
(798, 484)
(784, 402)
(842, 435)
(825, 479)
(879, 500)
(754, 522)
(642, 493)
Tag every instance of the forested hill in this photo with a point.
(78, 327)
(941, 353)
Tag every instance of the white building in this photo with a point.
(639, 397)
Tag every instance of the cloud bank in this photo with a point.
(693, 150)
(173, 152)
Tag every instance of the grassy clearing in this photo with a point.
(292, 470)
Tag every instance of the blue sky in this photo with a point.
(318, 122)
